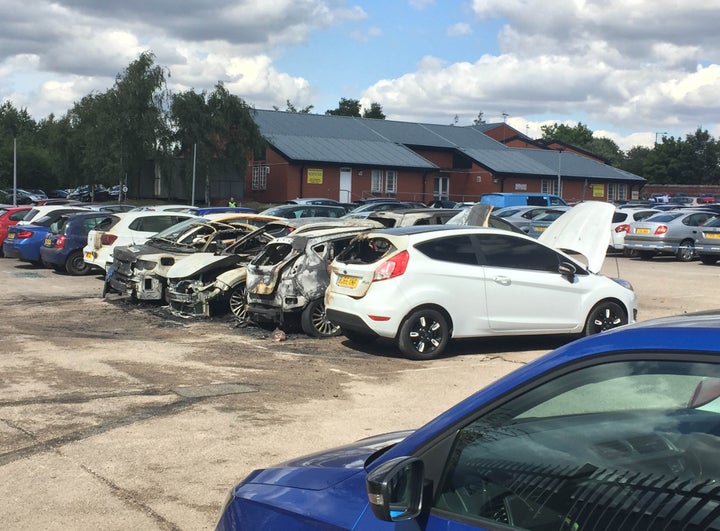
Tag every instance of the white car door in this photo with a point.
(525, 290)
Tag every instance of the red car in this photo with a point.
(10, 215)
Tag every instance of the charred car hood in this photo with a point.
(200, 262)
(584, 229)
(130, 253)
(324, 469)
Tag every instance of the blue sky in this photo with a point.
(626, 69)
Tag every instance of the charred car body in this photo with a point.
(140, 271)
(207, 284)
(289, 276)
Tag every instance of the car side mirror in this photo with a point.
(395, 489)
(568, 270)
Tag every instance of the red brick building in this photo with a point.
(345, 158)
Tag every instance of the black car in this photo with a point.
(88, 193)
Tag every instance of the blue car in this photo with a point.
(617, 431)
(62, 248)
(24, 241)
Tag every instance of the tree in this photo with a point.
(375, 111)
(346, 107)
(579, 136)
(479, 120)
(220, 125)
(291, 108)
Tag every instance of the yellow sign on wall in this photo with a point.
(314, 176)
(598, 190)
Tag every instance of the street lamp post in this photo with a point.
(559, 172)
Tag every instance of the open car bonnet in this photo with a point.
(584, 229)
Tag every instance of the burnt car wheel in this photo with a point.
(604, 316)
(238, 304)
(314, 321)
(75, 265)
(424, 334)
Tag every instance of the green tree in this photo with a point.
(579, 135)
(289, 107)
(346, 107)
(375, 111)
(219, 125)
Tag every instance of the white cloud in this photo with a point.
(459, 29)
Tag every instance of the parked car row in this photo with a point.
(418, 277)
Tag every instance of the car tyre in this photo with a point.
(424, 334)
(314, 321)
(75, 264)
(238, 304)
(686, 251)
(646, 255)
(361, 338)
(708, 260)
(605, 316)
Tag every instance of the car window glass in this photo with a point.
(457, 249)
(519, 253)
(364, 250)
(17, 216)
(606, 447)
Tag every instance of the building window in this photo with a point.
(611, 192)
(622, 192)
(259, 176)
(390, 182)
(550, 186)
(376, 182)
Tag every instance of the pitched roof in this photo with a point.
(318, 138)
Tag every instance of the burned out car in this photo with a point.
(207, 284)
(414, 216)
(288, 278)
(140, 271)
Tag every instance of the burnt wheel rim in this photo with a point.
(606, 318)
(320, 322)
(426, 334)
(238, 307)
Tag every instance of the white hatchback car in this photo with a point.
(134, 228)
(621, 225)
(422, 286)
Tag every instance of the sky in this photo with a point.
(630, 70)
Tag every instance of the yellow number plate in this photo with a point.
(48, 242)
(11, 236)
(540, 229)
(642, 231)
(348, 282)
(713, 235)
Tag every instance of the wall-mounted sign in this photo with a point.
(314, 176)
(521, 186)
(598, 190)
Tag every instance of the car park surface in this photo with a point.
(112, 416)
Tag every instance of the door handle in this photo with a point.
(504, 281)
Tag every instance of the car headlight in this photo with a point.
(624, 283)
(147, 265)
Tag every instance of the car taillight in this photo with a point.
(394, 267)
(60, 242)
(623, 228)
(662, 229)
(108, 239)
(23, 234)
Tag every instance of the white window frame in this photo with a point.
(259, 176)
(390, 182)
(376, 182)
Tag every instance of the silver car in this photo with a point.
(708, 243)
(674, 232)
(521, 216)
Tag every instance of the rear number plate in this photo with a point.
(347, 282)
(11, 236)
(48, 242)
(713, 235)
(642, 231)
